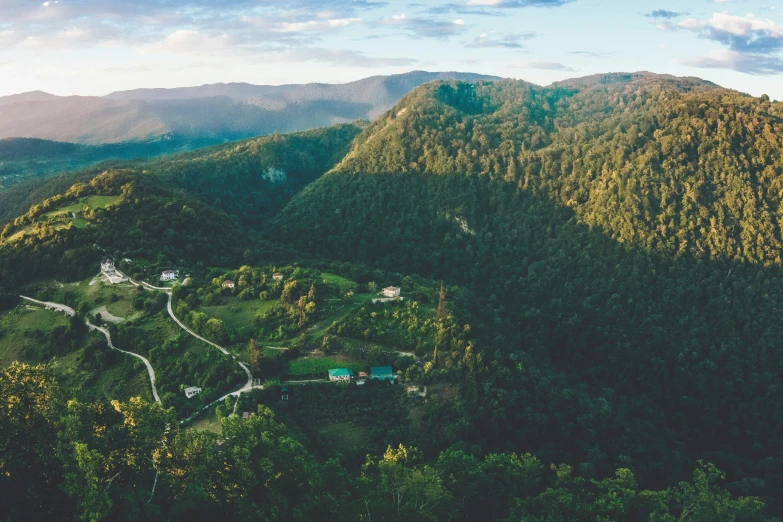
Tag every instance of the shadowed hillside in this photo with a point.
(623, 240)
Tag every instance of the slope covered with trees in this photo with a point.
(622, 235)
(250, 179)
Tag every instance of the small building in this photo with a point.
(340, 375)
(245, 414)
(169, 275)
(391, 291)
(192, 391)
(278, 276)
(128, 260)
(284, 393)
(228, 283)
(107, 265)
(382, 373)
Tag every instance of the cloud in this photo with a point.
(752, 45)
(425, 27)
(755, 64)
(492, 7)
(318, 25)
(664, 14)
(746, 34)
(542, 65)
(492, 39)
(187, 41)
(517, 3)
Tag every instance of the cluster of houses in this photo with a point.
(377, 373)
(115, 276)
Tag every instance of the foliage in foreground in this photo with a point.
(130, 461)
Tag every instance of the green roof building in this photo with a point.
(382, 373)
(340, 374)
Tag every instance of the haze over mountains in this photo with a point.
(209, 113)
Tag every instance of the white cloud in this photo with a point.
(318, 25)
(756, 64)
(188, 41)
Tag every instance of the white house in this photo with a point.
(192, 391)
(391, 291)
(107, 265)
(228, 283)
(277, 276)
(169, 275)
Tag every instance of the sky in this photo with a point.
(94, 47)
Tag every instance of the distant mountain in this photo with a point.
(215, 113)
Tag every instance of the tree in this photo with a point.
(254, 353)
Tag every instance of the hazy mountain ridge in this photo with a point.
(221, 112)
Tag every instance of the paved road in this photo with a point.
(70, 311)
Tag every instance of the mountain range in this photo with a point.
(592, 285)
(209, 113)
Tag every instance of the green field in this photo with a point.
(68, 215)
(320, 365)
(345, 285)
(236, 314)
(19, 330)
(91, 202)
(345, 437)
(24, 335)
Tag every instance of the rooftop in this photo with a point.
(341, 372)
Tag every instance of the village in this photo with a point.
(331, 371)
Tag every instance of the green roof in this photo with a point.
(341, 372)
(382, 372)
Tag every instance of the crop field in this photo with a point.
(320, 365)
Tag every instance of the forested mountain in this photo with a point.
(622, 235)
(250, 179)
(28, 159)
(604, 341)
(211, 113)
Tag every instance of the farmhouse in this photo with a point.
(169, 275)
(277, 276)
(110, 271)
(391, 291)
(340, 375)
(192, 391)
(382, 373)
(228, 283)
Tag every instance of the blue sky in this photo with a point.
(93, 47)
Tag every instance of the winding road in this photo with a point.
(150, 371)
(71, 312)
(246, 388)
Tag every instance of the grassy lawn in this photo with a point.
(208, 423)
(345, 285)
(92, 202)
(320, 365)
(345, 437)
(17, 327)
(238, 315)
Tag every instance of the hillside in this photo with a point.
(213, 113)
(28, 159)
(565, 346)
(622, 235)
(251, 179)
